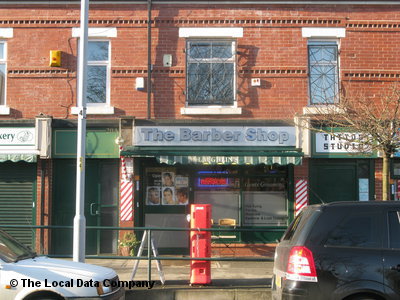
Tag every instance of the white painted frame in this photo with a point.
(99, 34)
(96, 32)
(322, 32)
(5, 33)
(212, 33)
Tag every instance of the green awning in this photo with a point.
(217, 155)
(229, 160)
(31, 158)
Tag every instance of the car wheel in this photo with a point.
(45, 297)
(365, 297)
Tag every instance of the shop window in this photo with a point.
(3, 65)
(168, 239)
(216, 180)
(211, 72)
(266, 170)
(396, 169)
(265, 201)
(166, 187)
(323, 71)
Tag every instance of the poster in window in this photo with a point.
(181, 181)
(153, 195)
(363, 189)
(168, 196)
(182, 195)
(168, 178)
(154, 179)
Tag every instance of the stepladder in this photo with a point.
(148, 242)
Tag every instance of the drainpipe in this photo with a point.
(149, 66)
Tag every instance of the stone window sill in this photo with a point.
(211, 110)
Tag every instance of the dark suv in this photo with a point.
(341, 250)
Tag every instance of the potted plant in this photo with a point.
(128, 244)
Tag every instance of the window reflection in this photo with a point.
(97, 71)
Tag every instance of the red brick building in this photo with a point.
(226, 80)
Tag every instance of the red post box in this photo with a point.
(200, 243)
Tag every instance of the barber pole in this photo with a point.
(301, 195)
(126, 193)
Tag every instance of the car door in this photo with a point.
(5, 280)
(391, 255)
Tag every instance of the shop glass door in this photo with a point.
(101, 205)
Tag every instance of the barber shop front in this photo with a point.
(244, 172)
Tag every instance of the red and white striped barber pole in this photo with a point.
(301, 195)
(126, 192)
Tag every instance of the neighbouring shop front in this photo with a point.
(101, 188)
(244, 172)
(395, 177)
(21, 145)
(340, 169)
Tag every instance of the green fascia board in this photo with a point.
(100, 143)
(149, 151)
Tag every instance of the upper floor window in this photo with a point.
(323, 71)
(98, 72)
(3, 66)
(211, 72)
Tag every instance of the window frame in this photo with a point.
(232, 60)
(97, 33)
(3, 61)
(324, 42)
(106, 63)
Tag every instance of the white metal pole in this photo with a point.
(79, 220)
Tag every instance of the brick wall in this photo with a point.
(271, 49)
(43, 204)
(378, 179)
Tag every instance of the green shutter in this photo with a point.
(17, 195)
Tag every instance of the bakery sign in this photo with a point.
(341, 143)
(17, 136)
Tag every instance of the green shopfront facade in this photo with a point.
(339, 171)
(101, 187)
(244, 172)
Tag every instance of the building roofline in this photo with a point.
(206, 2)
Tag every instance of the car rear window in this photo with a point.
(298, 224)
(292, 228)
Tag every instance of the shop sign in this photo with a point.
(340, 143)
(17, 136)
(214, 136)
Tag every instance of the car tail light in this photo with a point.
(301, 265)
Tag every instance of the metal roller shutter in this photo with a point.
(17, 198)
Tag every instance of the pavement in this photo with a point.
(229, 280)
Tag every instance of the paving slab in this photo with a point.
(236, 280)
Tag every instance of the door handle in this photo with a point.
(395, 268)
(93, 210)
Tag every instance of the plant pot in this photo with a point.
(125, 250)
